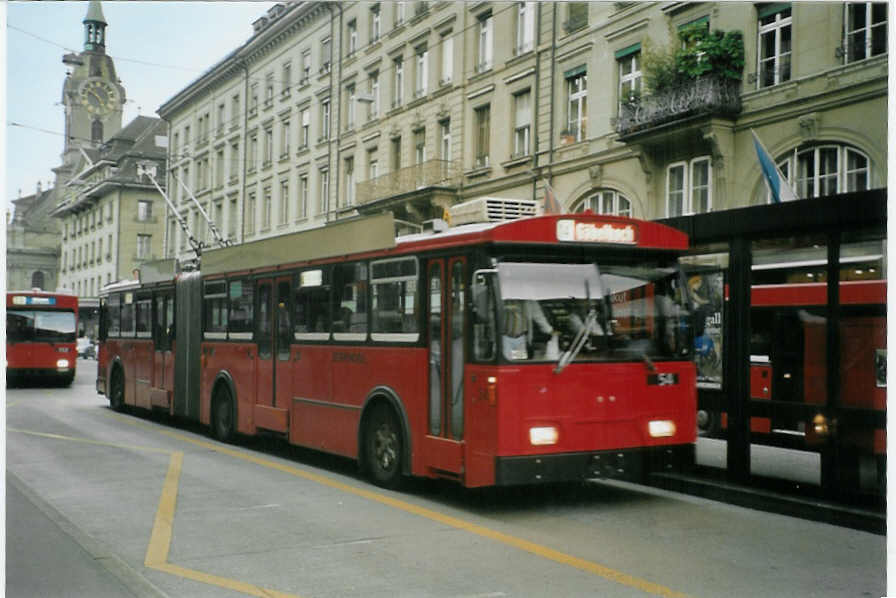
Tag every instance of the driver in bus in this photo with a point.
(521, 317)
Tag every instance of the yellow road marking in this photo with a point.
(163, 528)
(480, 530)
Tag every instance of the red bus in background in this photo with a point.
(534, 350)
(40, 336)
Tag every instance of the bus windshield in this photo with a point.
(37, 326)
(593, 312)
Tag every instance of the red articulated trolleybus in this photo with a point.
(40, 335)
(541, 349)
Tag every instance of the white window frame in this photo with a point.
(867, 31)
(445, 135)
(324, 190)
(352, 27)
(789, 166)
(485, 49)
(398, 81)
(422, 73)
(525, 27)
(577, 105)
(688, 187)
(606, 201)
(303, 196)
(775, 27)
(374, 106)
(632, 77)
(350, 107)
(284, 201)
(522, 130)
(350, 181)
(374, 23)
(447, 45)
(325, 119)
(306, 127)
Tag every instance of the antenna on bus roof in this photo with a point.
(148, 169)
(211, 225)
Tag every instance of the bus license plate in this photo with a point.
(663, 379)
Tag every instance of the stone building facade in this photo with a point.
(336, 109)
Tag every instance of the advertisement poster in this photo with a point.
(707, 293)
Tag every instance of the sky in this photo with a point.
(158, 49)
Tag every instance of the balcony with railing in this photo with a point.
(432, 173)
(709, 95)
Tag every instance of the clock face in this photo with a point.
(98, 96)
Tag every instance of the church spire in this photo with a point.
(95, 28)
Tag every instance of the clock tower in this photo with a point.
(92, 95)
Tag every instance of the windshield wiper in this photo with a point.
(578, 342)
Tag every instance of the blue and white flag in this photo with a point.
(777, 184)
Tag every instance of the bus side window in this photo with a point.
(114, 315)
(483, 299)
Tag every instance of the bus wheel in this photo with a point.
(222, 415)
(116, 391)
(383, 447)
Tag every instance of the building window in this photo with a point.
(866, 30)
(144, 210)
(267, 200)
(629, 61)
(445, 137)
(396, 154)
(222, 119)
(525, 27)
(374, 23)
(398, 82)
(284, 139)
(350, 107)
(219, 168)
(253, 153)
(399, 13)
(269, 90)
(447, 49)
(234, 160)
(268, 148)
(286, 79)
(250, 215)
(352, 36)
(577, 16)
(420, 146)
(350, 181)
(306, 67)
(325, 56)
(324, 191)
(422, 74)
(373, 108)
(144, 246)
(232, 220)
(234, 110)
(522, 123)
(484, 42)
(577, 113)
(372, 166)
(325, 119)
(306, 128)
(482, 118)
(96, 132)
(774, 45)
(284, 202)
(689, 187)
(303, 196)
(826, 170)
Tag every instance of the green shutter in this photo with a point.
(628, 51)
(574, 72)
(770, 9)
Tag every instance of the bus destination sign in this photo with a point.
(29, 300)
(596, 232)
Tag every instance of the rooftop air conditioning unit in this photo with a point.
(491, 209)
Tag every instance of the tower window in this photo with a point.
(96, 132)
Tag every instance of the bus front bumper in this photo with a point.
(629, 464)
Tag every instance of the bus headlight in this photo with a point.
(62, 364)
(543, 435)
(661, 428)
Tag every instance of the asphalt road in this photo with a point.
(124, 504)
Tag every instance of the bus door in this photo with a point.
(443, 444)
(163, 366)
(272, 364)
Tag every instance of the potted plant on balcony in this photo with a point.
(567, 137)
